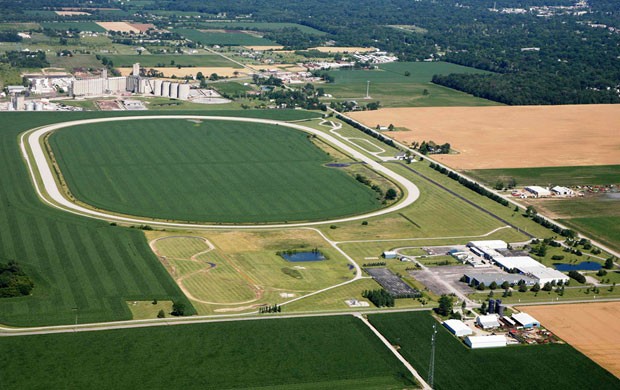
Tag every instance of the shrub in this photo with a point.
(577, 276)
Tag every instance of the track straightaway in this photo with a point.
(48, 190)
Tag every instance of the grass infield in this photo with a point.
(214, 171)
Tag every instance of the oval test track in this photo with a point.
(40, 165)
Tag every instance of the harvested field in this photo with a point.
(190, 71)
(143, 27)
(118, 26)
(71, 13)
(511, 137)
(592, 328)
(343, 49)
(263, 48)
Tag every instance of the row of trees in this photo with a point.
(379, 297)
(270, 309)
(470, 184)
(367, 130)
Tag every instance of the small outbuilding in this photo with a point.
(476, 342)
(458, 328)
(389, 255)
(491, 244)
(525, 320)
(488, 321)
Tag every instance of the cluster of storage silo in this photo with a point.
(171, 90)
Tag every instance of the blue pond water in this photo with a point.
(303, 256)
(583, 266)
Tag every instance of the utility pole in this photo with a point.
(368, 89)
(76, 315)
(431, 367)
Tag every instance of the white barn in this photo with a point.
(488, 321)
(562, 191)
(538, 192)
(458, 328)
(475, 342)
(525, 320)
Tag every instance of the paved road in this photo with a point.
(50, 193)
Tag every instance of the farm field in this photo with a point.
(502, 137)
(304, 353)
(191, 71)
(172, 60)
(81, 26)
(593, 328)
(75, 262)
(456, 366)
(223, 38)
(392, 88)
(563, 176)
(204, 171)
(75, 61)
(603, 228)
(236, 271)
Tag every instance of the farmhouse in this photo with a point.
(562, 191)
(458, 328)
(488, 321)
(538, 192)
(475, 342)
(525, 320)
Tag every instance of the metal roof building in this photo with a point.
(525, 320)
(475, 342)
(493, 244)
(488, 321)
(517, 262)
(458, 328)
(544, 275)
(487, 278)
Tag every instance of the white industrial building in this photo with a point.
(491, 244)
(488, 321)
(389, 255)
(134, 83)
(538, 192)
(525, 320)
(458, 328)
(476, 342)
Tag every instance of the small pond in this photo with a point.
(297, 257)
(583, 266)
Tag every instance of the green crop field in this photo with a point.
(456, 366)
(393, 88)
(605, 229)
(259, 26)
(304, 353)
(75, 262)
(75, 61)
(81, 26)
(168, 60)
(213, 171)
(564, 176)
(223, 38)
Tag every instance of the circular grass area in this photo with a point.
(206, 171)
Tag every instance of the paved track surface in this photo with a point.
(47, 187)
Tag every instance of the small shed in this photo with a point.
(458, 328)
(562, 191)
(389, 255)
(525, 320)
(488, 321)
(475, 342)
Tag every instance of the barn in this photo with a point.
(476, 342)
(525, 320)
(458, 328)
(488, 321)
